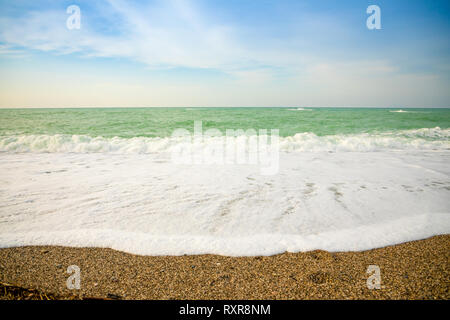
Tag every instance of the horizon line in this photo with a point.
(229, 107)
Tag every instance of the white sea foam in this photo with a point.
(300, 109)
(144, 204)
(398, 111)
(417, 139)
(408, 111)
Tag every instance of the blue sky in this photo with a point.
(224, 53)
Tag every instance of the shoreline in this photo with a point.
(412, 270)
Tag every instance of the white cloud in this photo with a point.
(176, 33)
(171, 35)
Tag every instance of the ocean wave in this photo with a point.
(417, 139)
(300, 109)
(407, 111)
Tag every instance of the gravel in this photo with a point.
(413, 270)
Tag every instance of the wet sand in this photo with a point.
(413, 270)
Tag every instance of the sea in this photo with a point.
(340, 179)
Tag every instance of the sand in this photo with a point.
(414, 270)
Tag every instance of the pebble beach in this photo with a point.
(413, 270)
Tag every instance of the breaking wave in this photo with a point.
(417, 139)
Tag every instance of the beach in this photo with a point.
(148, 214)
(216, 150)
(413, 270)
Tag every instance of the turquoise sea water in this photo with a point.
(150, 130)
(337, 179)
(160, 122)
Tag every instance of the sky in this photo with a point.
(229, 53)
